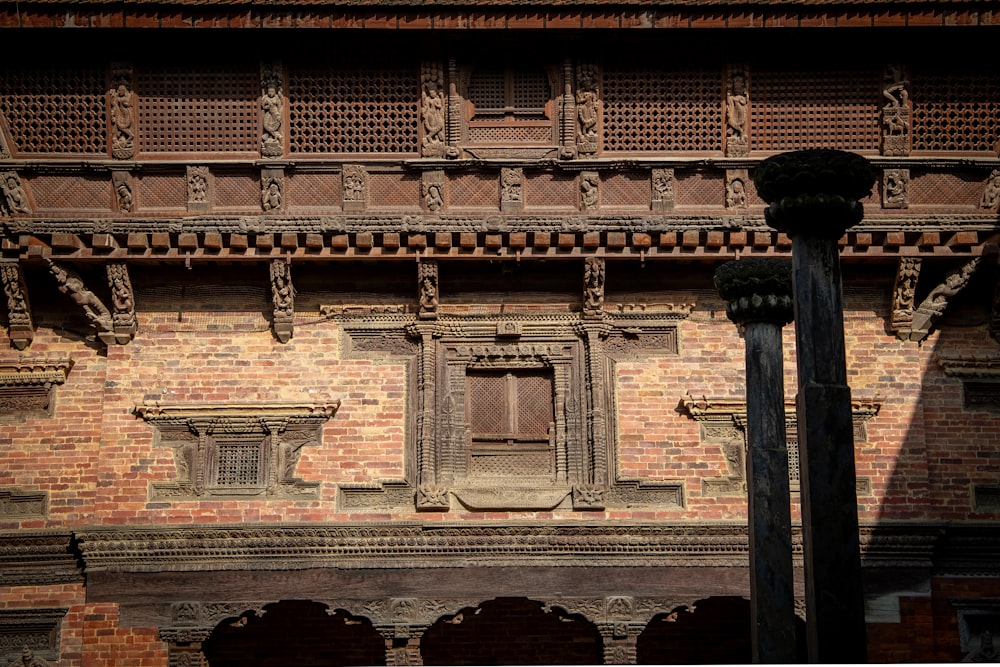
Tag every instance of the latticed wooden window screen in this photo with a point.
(354, 111)
(508, 106)
(238, 464)
(510, 416)
(955, 111)
(657, 110)
(60, 110)
(183, 109)
(797, 110)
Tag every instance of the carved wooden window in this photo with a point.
(238, 464)
(511, 423)
(57, 110)
(183, 109)
(956, 111)
(509, 105)
(353, 110)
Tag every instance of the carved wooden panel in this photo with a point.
(956, 111)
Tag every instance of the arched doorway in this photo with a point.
(512, 631)
(716, 631)
(298, 632)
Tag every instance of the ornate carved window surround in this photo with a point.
(224, 450)
(27, 388)
(980, 376)
(725, 420)
(30, 631)
(575, 355)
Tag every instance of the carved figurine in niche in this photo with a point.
(895, 112)
(15, 198)
(736, 115)
(991, 196)
(432, 110)
(593, 285)
(124, 197)
(588, 190)
(736, 193)
(121, 117)
(662, 189)
(272, 110)
(894, 189)
(510, 184)
(270, 194)
(433, 197)
(198, 185)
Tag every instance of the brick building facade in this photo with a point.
(383, 333)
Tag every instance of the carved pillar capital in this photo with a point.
(619, 641)
(757, 290)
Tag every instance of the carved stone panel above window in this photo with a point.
(236, 449)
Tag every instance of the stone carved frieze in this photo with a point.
(199, 182)
(235, 449)
(737, 113)
(587, 109)
(70, 284)
(20, 327)
(433, 110)
(355, 184)
(895, 188)
(121, 112)
(896, 112)
(904, 296)
(123, 317)
(283, 299)
(662, 183)
(15, 197)
(272, 110)
(936, 302)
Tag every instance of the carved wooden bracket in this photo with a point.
(237, 449)
(934, 306)
(124, 322)
(283, 297)
(20, 328)
(97, 313)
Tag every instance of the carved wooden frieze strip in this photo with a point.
(226, 450)
(18, 504)
(29, 558)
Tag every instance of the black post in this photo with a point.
(759, 295)
(814, 196)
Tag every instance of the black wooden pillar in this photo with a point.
(814, 195)
(759, 296)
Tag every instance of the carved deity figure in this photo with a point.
(17, 304)
(281, 288)
(586, 108)
(593, 285)
(736, 107)
(121, 117)
(355, 182)
(663, 185)
(895, 112)
(124, 197)
(588, 190)
(510, 184)
(428, 289)
(433, 196)
(736, 193)
(432, 111)
(28, 659)
(271, 106)
(991, 196)
(270, 194)
(71, 285)
(197, 186)
(937, 301)
(894, 189)
(15, 198)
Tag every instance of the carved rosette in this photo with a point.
(896, 112)
(21, 329)
(433, 110)
(283, 299)
(818, 191)
(121, 112)
(272, 111)
(123, 318)
(737, 116)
